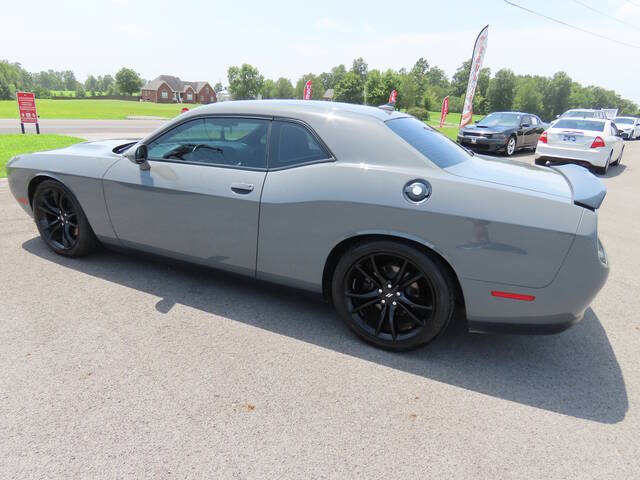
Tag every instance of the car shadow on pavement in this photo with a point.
(574, 373)
(614, 171)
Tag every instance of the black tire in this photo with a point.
(375, 303)
(61, 222)
(605, 169)
(508, 150)
(617, 162)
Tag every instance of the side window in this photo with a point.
(293, 144)
(614, 129)
(236, 142)
(534, 121)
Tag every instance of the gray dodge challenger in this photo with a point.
(386, 217)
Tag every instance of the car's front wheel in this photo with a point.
(393, 295)
(510, 149)
(61, 221)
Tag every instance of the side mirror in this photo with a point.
(557, 116)
(140, 155)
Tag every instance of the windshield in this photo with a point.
(500, 120)
(592, 125)
(628, 121)
(432, 144)
(578, 113)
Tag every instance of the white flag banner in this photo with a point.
(479, 50)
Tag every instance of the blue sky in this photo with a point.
(198, 39)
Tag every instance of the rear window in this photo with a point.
(580, 113)
(628, 121)
(432, 144)
(580, 124)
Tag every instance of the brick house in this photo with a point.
(168, 89)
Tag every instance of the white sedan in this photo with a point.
(586, 141)
(629, 126)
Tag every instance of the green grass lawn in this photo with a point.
(15, 143)
(95, 109)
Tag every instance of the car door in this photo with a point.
(529, 130)
(200, 198)
(615, 140)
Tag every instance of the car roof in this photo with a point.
(517, 113)
(292, 108)
(584, 110)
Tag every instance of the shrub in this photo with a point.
(419, 112)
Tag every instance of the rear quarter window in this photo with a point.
(432, 144)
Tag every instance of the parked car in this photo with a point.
(505, 132)
(629, 127)
(589, 142)
(385, 216)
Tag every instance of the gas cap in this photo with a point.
(417, 191)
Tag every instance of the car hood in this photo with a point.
(513, 174)
(95, 148)
(485, 130)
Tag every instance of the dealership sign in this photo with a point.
(479, 51)
(444, 111)
(307, 90)
(27, 107)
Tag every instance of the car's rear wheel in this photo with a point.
(605, 169)
(510, 149)
(393, 295)
(60, 220)
(617, 162)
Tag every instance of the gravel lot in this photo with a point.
(115, 366)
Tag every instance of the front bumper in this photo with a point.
(557, 306)
(482, 143)
(592, 157)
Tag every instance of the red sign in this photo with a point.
(184, 109)
(445, 110)
(393, 96)
(307, 90)
(27, 106)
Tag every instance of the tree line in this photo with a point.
(423, 87)
(14, 78)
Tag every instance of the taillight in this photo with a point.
(543, 137)
(598, 142)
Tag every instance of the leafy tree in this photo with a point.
(419, 72)
(106, 83)
(501, 90)
(360, 68)
(218, 87)
(91, 84)
(317, 89)
(245, 82)
(69, 79)
(128, 81)
(350, 89)
(80, 93)
(484, 76)
(528, 98)
(557, 94)
(437, 78)
(460, 79)
(408, 91)
(374, 89)
(332, 78)
(284, 88)
(268, 89)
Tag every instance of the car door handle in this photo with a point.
(242, 188)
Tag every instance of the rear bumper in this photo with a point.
(592, 157)
(557, 306)
(526, 327)
(483, 144)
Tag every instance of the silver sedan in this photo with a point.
(384, 216)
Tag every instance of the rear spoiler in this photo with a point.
(587, 190)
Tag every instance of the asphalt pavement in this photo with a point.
(116, 366)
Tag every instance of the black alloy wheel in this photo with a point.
(60, 220)
(392, 295)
